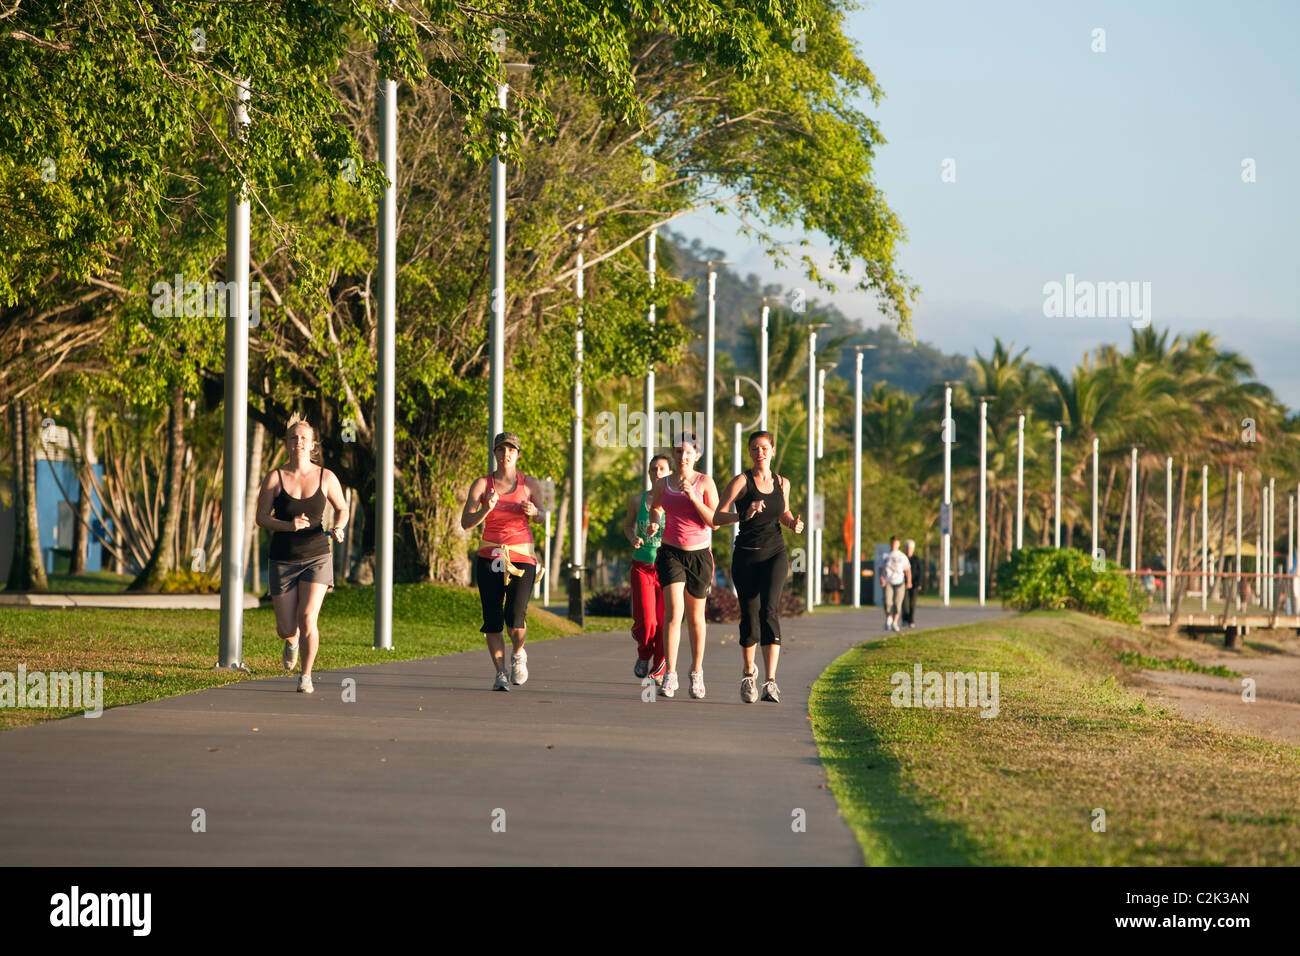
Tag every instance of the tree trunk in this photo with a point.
(1223, 534)
(1143, 485)
(1123, 519)
(1105, 504)
(151, 576)
(27, 573)
(250, 507)
(80, 530)
(1178, 584)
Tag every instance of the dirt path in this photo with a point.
(1273, 663)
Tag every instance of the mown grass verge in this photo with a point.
(147, 654)
(942, 785)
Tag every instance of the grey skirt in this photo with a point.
(287, 575)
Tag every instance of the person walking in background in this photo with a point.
(896, 576)
(759, 501)
(647, 595)
(913, 584)
(302, 568)
(506, 565)
(684, 563)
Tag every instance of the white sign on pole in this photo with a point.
(945, 518)
(548, 495)
(819, 511)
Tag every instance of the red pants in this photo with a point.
(647, 612)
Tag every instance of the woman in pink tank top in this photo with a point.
(685, 500)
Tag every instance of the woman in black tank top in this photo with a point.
(302, 568)
(759, 564)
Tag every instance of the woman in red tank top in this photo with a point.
(684, 500)
(506, 563)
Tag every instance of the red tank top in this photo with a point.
(507, 523)
(682, 525)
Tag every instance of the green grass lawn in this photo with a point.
(942, 785)
(147, 654)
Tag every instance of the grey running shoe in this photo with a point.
(748, 688)
(697, 684)
(642, 668)
(304, 685)
(502, 682)
(290, 655)
(519, 667)
(771, 692)
(669, 686)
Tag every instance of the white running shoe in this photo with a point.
(304, 685)
(290, 655)
(519, 667)
(697, 684)
(669, 686)
(502, 682)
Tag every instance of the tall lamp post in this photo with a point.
(813, 571)
(710, 346)
(946, 529)
(1057, 517)
(1020, 482)
(984, 420)
(650, 429)
(857, 475)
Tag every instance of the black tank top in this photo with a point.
(311, 541)
(760, 537)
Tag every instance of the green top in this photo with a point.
(650, 545)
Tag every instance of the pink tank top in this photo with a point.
(507, 523)
(682, 525)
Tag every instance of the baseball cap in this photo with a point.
(507, 438)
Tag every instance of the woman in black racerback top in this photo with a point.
(302, 568)
(759, 564)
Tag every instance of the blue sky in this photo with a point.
(1123, 165)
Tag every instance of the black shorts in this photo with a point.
(672, 564)
(503, 605)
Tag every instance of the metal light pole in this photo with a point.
(857, 480)
(1239, 481)
(1057, 517)
(496, 415)
(984, 418)
(948, 435)
(235, 411)
(1169, 533)
(709, 346)
(820, 537)
(1094, 499)
(576, 611)
(1272, 543)
(386, 399)
(650, 429)
(762, 365)
(1020, 482)
(1205, 535)
(811, 541)
(1133, 514)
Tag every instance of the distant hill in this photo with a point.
(914, 368)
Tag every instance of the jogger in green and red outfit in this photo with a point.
(647, 595)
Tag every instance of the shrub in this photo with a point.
(190, 582)
(611, 602)
(1055, 578)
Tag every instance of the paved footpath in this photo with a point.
(428, 764)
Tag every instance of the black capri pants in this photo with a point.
(759, 584)
(503, 605)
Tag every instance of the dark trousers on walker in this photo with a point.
(909, 605)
